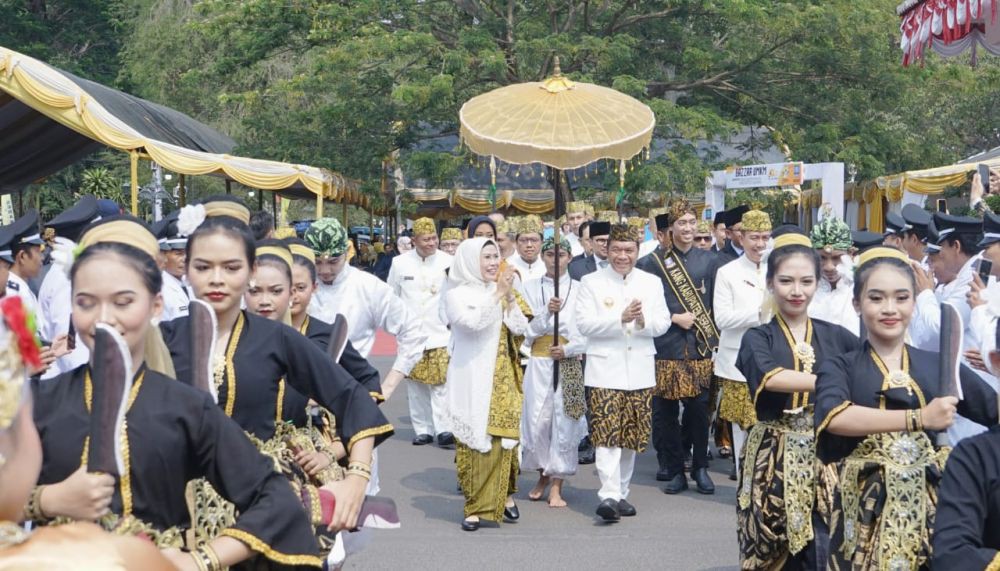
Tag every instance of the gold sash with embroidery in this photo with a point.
(680, 282)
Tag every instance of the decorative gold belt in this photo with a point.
(905, 457)
(540, 347)
(798, 467)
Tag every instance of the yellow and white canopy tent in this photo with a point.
(50, 118)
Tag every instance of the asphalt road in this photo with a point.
(685, 531)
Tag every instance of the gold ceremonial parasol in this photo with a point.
(560, 124)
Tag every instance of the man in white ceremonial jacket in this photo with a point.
(739, 294)
(834, 298)
(418, 277)
(553, 421)
(368, 304)
(620, 310)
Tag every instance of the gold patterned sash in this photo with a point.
(799, 468)
(680, 283)
(904, 456)
(540, 346)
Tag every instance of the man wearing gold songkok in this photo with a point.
(834, 299)
(418, 278)
(450, 239)
(684, 351)
(620, 310)
(703, 235)
(576, 214)
(738, 304)
(526, 261)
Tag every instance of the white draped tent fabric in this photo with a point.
(949, 27)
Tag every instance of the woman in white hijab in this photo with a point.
(488, 321)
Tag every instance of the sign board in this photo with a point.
(6, 210)
(756, 176)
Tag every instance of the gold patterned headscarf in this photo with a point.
(679, 207)
(623, 233)
(530, 224)
(424, 226)
(703, 227)
(609, 216)
(451, 233)
(576, 206)
(756, 221)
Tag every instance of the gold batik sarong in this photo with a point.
(884, 507)
(776, 494)
(621, 419)
(486, 479)
(682, 378)
(432, 369)
(735, 405)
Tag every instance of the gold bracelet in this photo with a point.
(33, 511)
(212, 558)
(918, 419)
(199, 561)
(366, 475)
(359, 464)
(908, 419)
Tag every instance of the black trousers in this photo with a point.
(671, 441)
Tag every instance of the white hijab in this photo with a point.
(466, 266)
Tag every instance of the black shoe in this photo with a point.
(663, 475)
(676, 484)
(423, 439)
(512, 513)
(626, 509)
(732, 473)
(468, 525)
(588, 456)
(446, 439)
(702, 482)
(584, 444)
(608, 510)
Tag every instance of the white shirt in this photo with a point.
(925, 327)
(647, 247)
(836, 305)
(55, 307)
(369, 304)
(176, 297)
(419, 282)
(538, 293)
(621, 357)
(527, 271)
(739, 293)
(574, 244)
(19, 287)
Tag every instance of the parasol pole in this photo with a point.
(560, 207)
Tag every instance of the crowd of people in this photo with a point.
(817, 359)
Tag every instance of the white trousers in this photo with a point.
(614, 467)
(428, 408)
(739, 438)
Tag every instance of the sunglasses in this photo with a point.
(703, 238)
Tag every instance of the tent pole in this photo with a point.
(319, 205)
(229, 187)
(134, 164)
(274, 207)
(344, 202)
(260, 199)
(182, 193)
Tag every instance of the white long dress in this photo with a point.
(549, 438)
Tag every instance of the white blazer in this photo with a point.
(620, 357)
(739, 292)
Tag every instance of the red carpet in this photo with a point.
(385, 345)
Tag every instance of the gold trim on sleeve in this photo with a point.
(763, 381)
(994, 563)
(266, 550)
(375, 431)
(833, 412)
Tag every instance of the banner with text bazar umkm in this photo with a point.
(755, 176)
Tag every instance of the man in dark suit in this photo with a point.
(583, 265)
(719, 231)
(734, 247)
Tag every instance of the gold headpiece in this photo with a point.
(530, 224)
(227, 208)
(756, 221)
(123, 231)
(424, 226)
(637, 222)
(623, 233)
(609, 216)
(304, 251)
(704, 227)
(679, 207)
(881, 252)
(504, 227)
(654, 212)
(451, 234)
(283, 253)
(284, 232)
(576, 206)
(588, 209)
(792, 238)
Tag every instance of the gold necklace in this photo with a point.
(11, 534)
